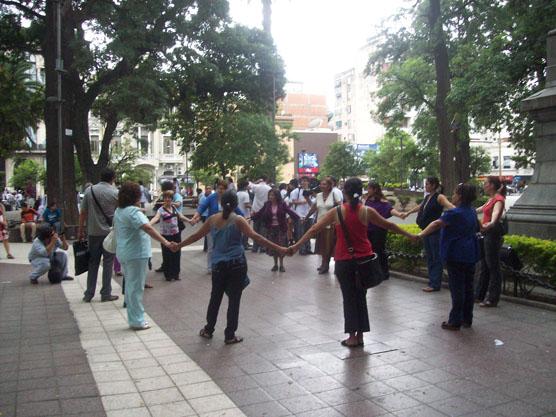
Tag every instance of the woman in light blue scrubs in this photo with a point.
(133, 249)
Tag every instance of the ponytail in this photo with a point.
(435, 182)
(498, 184)
(353, 189)
(229, 203)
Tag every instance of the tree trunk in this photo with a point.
(446, 142)
(68, 199)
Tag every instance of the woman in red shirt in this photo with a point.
(28, 219)
(356, 217)
(489, 285)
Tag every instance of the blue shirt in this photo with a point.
(458, 239)
(52, 217)
(227, 242)
(131, 240)
(38, 249)
(211, 203)
(201, 201)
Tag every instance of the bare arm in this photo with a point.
(413, 210)
(496, 214)
(155, 219)
(152, 232)
(184, 219)
(378, 220)
(82, 220)
(312, 210)
(396, 213)
(244, 227)
(203, 231)
(443, 201)
(327, 219)
(431, 228)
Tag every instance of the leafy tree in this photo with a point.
(26, 170)
(480, 161)
(21, 104)
(123, 159)
(342, 161)
(396, 160)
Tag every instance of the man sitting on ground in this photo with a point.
(47, 248)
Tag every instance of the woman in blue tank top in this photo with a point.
(229, 266)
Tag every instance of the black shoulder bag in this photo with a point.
(106, 218)
(368, 272)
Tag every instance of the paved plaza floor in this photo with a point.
(60, 356)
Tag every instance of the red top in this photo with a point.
(28, 215)
(488, 208)
(357, 234)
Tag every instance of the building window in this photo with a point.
(495, 162)
(348, 109)
(338, 124)
(167, 145)
(95, 145)
(507, 162)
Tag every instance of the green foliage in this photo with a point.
(419, 200)
(21, 104)
(342, 161)
(480, 201)
(396, 160)
(123, 159)
(26, 170)
(400, 244)
(480, 161)
(404, 200)
(538, 254)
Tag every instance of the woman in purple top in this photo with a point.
(377, 235)
(275, 223)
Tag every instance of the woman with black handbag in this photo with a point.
(353, 250)
(170, 219)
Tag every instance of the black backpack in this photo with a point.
(55, 273)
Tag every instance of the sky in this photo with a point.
(318, 38)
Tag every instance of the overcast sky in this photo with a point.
(317, 38)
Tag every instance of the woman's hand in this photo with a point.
(283, 251)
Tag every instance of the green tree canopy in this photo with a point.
(25, 171)
(342, 161)
(480, 161)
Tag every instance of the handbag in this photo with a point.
(368, 272)
(181, 224)
(56, 271)
(109, 242)
(81, 255)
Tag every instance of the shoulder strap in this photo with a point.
(344, 229)
(106, 218)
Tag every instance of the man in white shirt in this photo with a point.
(336, 192)
(244, 204)
(300, 200)
(260, 190)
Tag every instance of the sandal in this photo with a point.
(350, 345)
(282, 269)
(274, 268)
(10, 256)
(148, 285)
(205, 333)
(236, 339)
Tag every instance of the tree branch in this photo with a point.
(25, 9)
(111, 125)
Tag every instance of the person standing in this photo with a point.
(168, 217)
(212, 204)
(275, 224)
(204, 215)
(28, 219)
(53, 216)
(377, 236)
(489, 285)
(229, 266)
(144, 199)
(133, 248)
(430, 210)
(244, 204)
(177, 203)
(95, 220)
(4, 233)
(260, 190)
(300, 199)
(324, 245)
(356, 218)
(459, 250)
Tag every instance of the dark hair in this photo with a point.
(378, 195)
(498, 184)
(264, 178)
(221, 183)
(334, 182)
(282, 186)
(51, 203)
(305, 179)
(467, 193)
(129, 194)
(329, 181)
(44, 232)
(23, 205)
(228, 202)
(276, 193)
(294, 183)
(167, 186)
(353, 187)
(140, 182)
(107, 175)
(230, 180)
(435, 182)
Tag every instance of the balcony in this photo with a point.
(170, 157)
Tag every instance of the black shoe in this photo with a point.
(466, 325)
(177, 278)
(67, 278)
(87, 299)
(161, 269)
(109, 298)
(274, 268)
(448, 326)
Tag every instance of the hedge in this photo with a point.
(537, 254)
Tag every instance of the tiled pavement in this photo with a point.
(291, 362)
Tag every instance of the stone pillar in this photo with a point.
(534, 214)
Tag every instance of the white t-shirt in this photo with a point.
(261, 195)
(242, 200)
(303, 208)
(338, 195)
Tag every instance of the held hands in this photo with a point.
(404, 215)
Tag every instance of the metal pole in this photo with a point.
(59, 69)
(500, 155)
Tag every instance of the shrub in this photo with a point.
(419, 200)
(404, 200)
(538, 254)
(480, 201)
(401, 244)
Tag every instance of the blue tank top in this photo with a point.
(227, 241)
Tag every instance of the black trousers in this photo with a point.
(171, 260)
(378, 242)
(460, 278)
(490, 280)
(227, 278)
(356, 315)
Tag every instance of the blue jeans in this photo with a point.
(460, 277)
(434, 263)
(135, 272)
